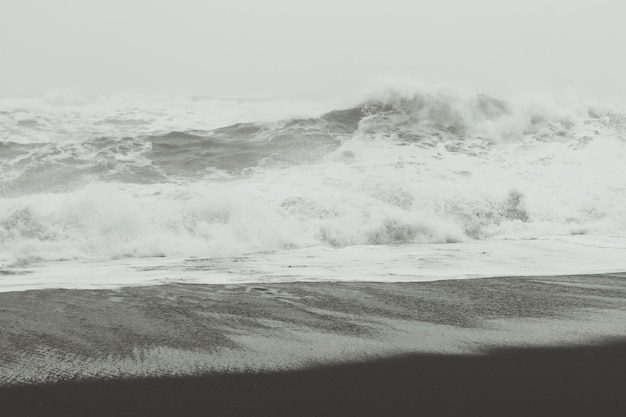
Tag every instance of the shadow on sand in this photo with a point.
(577, 381)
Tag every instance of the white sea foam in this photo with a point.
(395, 263)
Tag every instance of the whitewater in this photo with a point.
(399, 185)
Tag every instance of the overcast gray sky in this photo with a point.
(243, 47)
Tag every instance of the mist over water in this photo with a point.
(117, 177)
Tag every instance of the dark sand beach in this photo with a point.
(518, 346)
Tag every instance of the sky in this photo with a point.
(321, 47)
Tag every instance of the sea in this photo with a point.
(396, 184)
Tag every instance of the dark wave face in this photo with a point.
(235, 148)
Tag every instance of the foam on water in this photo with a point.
(402, 169)
(393, 263)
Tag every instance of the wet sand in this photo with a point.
(499, 346)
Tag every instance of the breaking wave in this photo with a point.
(398, 167)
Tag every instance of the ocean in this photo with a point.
(398, 185)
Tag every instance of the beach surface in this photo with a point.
(474, 346)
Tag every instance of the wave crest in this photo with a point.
(423, 114)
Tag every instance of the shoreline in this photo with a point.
(57, 343)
